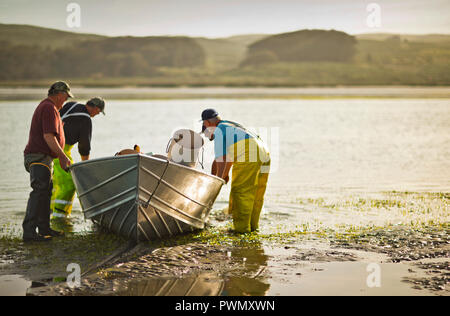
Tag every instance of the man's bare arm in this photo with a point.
(222, 168)
(51, 141)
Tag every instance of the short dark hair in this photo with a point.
(97, 102)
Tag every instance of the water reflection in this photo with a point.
(250, 280)
(245, 286)
(204, 284)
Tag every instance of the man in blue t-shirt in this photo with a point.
(235, 146)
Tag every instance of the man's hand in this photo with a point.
(222, 168)
(51, 141)
(64, 162)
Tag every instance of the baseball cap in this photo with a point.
(61, 86)
(97, 102)
(209, 114)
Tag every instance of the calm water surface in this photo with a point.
(325, 147)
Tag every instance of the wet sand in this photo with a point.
(410, 257)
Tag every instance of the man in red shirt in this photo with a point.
(45, 143)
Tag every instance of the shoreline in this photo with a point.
(306, 259)
(221, 92)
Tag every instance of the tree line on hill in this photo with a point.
(108, 57)
(143, 56)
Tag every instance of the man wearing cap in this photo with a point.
(237, 147)
(77, 129)
(46, 142)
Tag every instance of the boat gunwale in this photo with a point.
(140, 156)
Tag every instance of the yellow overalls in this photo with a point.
(250, 174)
(63, 187)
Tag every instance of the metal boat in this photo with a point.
(144, 198)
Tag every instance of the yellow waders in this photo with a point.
(248, 186)
(63, 188)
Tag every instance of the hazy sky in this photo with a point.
(220, 18)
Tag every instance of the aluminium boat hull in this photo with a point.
(143, 197)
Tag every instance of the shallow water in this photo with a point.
(13, 285)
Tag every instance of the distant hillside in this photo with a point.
(61, 54)
(391, 61)
(301, 46)
(35, 55)
(42, 37)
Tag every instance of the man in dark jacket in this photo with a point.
(77, 129)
